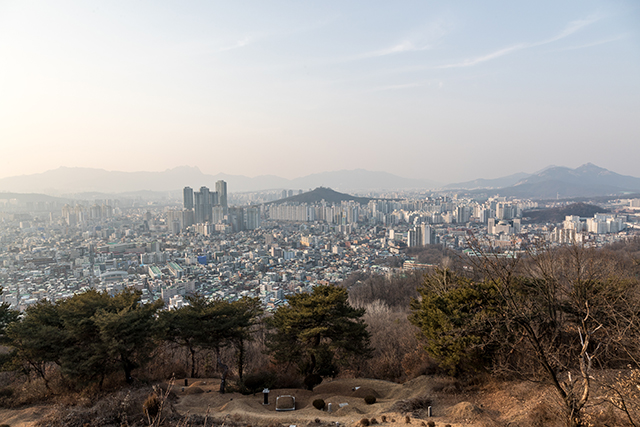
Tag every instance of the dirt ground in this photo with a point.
(23, 417)
(499, 405)
(512, 403)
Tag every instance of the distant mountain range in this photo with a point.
(554, 182)
(85, 180)
(587, 180)
(481, 183)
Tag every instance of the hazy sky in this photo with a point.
(446, 90)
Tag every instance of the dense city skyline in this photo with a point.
(448, 92)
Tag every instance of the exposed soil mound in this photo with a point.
(463, 411)
(494, 404)
(348, 410)
(363, 392)
(199, 383)
(349, 386)
(412, 405)
(193, 390)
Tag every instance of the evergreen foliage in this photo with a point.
(182, 327)
(7, 317)
(88, 335)
(258, 381)
(542, 315)
(38, 339)
(317, 330)
(211, 325)
(457, 318)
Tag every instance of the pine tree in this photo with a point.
(316, 330)
(38, 339)
(127, 331)
(182, 327)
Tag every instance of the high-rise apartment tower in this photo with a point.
(221, 189)
(187, 197)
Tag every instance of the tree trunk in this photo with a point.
(312, 365)
(128, 367)
(225, 371)
(193, 362)
(240, 358)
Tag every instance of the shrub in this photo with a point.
(312, 380)
(151, 406)
(384, 418)
(370, 399)
(318, 404)
(407, 419)
(364, 422)
(431, 424)
(374, 421)
(258, 381)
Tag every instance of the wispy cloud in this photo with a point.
(595, 43)
(570, 29)
(480, 59)
(405, 46)
(283, 32)
(421, 39)
(573, 27)
(396, 49)
(237, 45)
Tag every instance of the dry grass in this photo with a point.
(498, 403)
(122, 407)
(414, 406)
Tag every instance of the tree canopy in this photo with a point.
(88, 335)
(318, 330)
(541, 315)
(211, 324)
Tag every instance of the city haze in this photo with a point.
(423, 90)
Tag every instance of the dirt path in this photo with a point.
(23, 417)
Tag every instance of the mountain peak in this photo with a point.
(586, 180)
(591, 169)
(322, 193)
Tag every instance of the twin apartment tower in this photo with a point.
(208, 206)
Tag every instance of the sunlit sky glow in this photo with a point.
(447, 91)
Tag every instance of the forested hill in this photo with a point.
(323, 193)
(555, 215)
